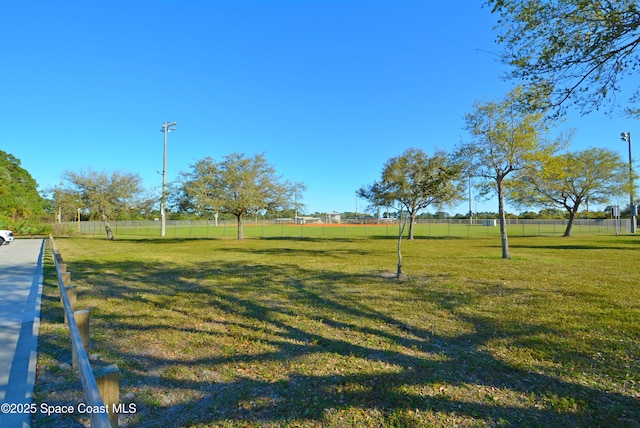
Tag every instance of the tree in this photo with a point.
(412, 182)
(569, 179)
(105, 195)
(239, 185)
(19, 197)
(506, 138)
(574, 49)
(547, 213)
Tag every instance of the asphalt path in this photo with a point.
(21, 277)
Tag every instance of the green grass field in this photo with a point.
(317, 332)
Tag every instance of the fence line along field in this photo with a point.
(317, 332)
(272, 229)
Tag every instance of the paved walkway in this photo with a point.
(21, 289)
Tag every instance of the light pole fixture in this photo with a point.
(626, 136)
(166, 128)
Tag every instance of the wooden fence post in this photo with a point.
(82, 321)
(54, 249)
(108, 380)
(72, 294)
(66, 278)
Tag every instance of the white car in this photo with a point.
(6, 236)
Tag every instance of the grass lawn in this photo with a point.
(317, 332)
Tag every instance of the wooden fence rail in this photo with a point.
(78, 323)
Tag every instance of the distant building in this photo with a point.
(308, 220)
(333, 218)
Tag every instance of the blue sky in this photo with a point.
(328, 90)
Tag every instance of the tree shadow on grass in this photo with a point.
(576, 246)
(269, 344)
(418, 238)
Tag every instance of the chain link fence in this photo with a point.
(352, 229)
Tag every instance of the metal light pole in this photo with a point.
(470, 208)
(626, 136)
(295, 203)
(166, 128)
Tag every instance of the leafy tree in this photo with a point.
(506, 138)
(178, 201)
(441, 215)
(548, 213)
(569, 179)
(104, 195)
(412, 182)
(239, 185)
(529, 215)
(19, 197)
(65, 203)
(574, 49)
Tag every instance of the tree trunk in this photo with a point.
(503, 222)
(572, 217)
(399, 270)
(107, 227)
(240, 226)
(412, 220)
(401, 227)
